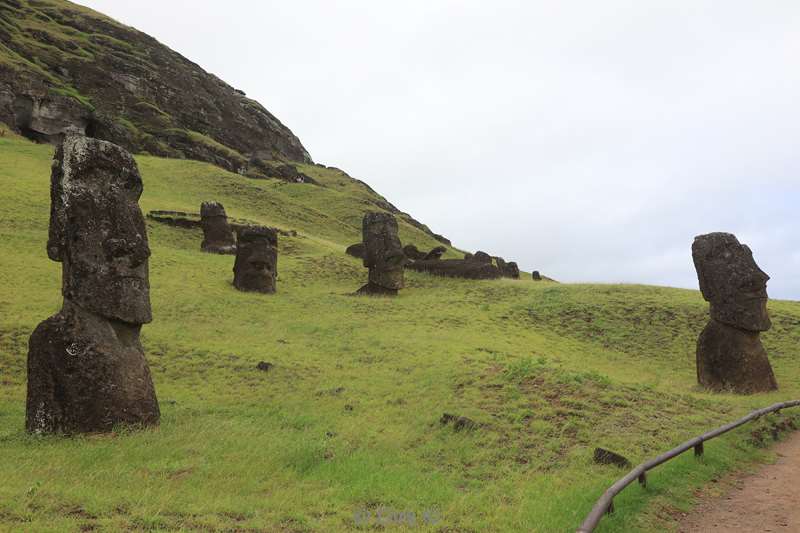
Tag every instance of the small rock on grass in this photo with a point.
(459, 422)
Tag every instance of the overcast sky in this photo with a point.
(589, 140)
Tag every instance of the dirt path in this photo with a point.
(767, 500)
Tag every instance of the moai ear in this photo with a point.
(57, 231)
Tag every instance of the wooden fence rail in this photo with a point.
(606, 502)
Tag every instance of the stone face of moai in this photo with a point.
(384, 255)
(217, 233)
(86, 367)
(730, 355)
(256, 265)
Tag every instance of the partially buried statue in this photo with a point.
(383, 255)
(217, 234)
(256, 265)
(86, 367)
(730, 355)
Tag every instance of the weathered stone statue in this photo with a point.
(730, 355)
(217, 233)
(536, 276)
(86, 367)
(256, 265)
(383, 255)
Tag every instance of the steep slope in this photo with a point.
(63, 64)
(346, 424)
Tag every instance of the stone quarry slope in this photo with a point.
(61, 64)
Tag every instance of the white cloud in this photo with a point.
(589, 140)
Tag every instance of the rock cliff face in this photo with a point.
(64, 65)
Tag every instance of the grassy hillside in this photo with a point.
(347, 422)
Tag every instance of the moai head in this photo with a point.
(384, 254)
(217, 234)
(512, 270)
(97, 230)
(731, 281)
(256, 265)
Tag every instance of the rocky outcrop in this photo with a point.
(507, 270)
(456, 268)
(730, 355)
(116, 83)
(435, 254)
(86, 367)
(481, 257)
(182, 219)
(412, 252)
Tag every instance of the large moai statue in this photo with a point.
(256, 265)
(383, 255)
(86, 367)
(730, 356)
(217, 233)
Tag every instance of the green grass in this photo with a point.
(347, 420)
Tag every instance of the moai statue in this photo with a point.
(435, 254)
(536, 276)
(730, 355)
(481, 257)
(217, 234)
(384, 255)
(86, 367)
(511, 270)
(256, 265)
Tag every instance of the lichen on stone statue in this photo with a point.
(86, 367)
(383, 255)
(730, 356)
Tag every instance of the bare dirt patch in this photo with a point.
(765, 501)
